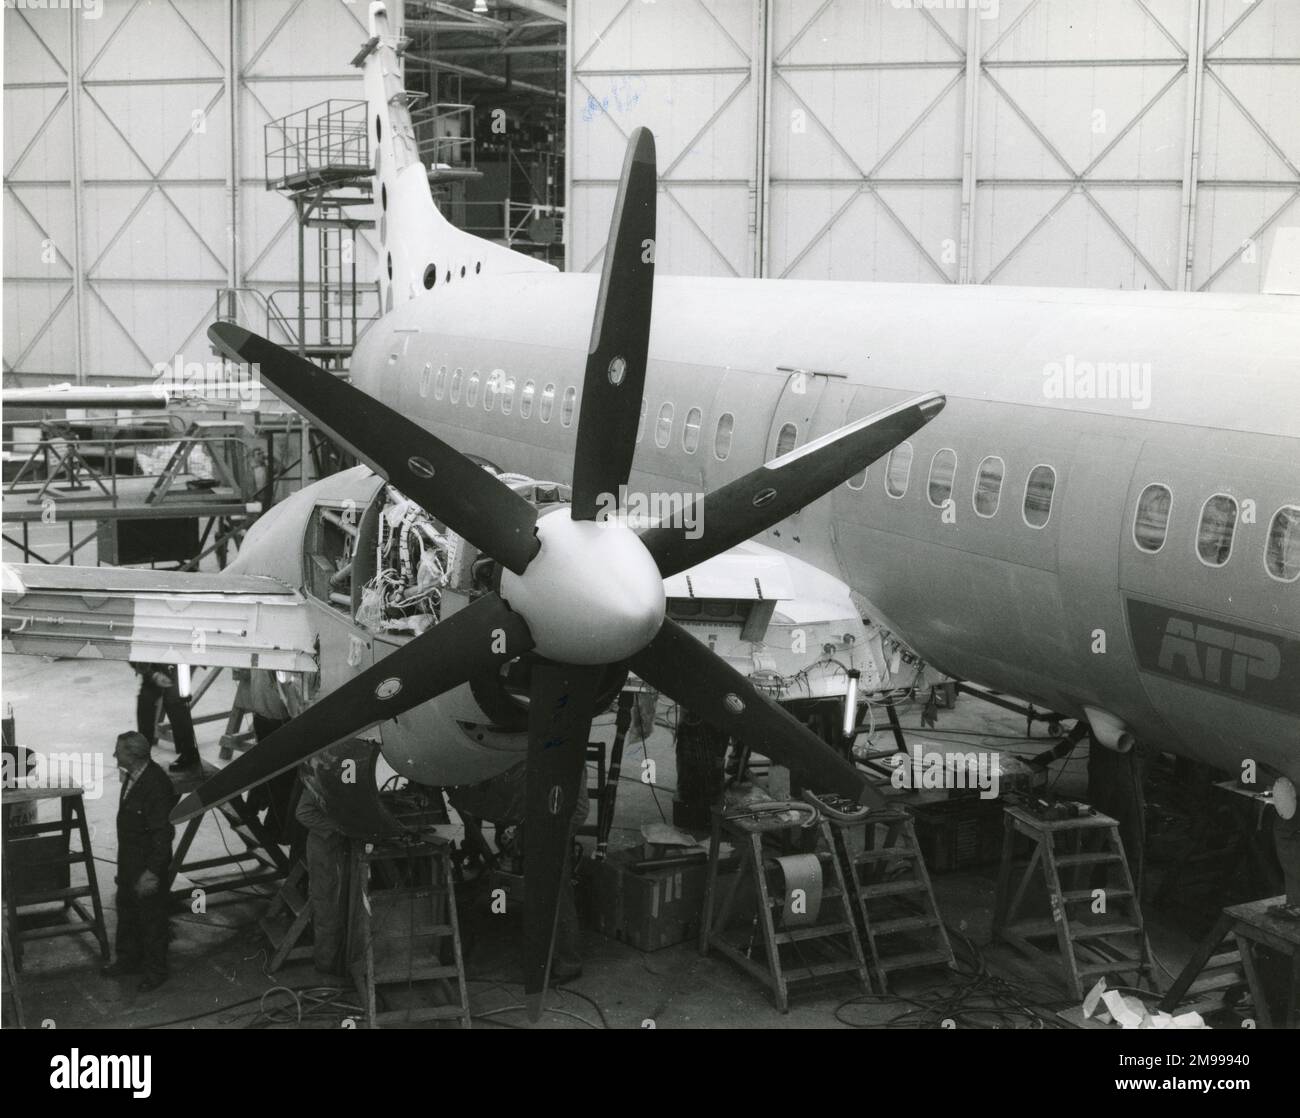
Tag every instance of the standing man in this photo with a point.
(144, 853)
(327, 878)
(158, 681)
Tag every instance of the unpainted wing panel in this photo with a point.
(170, 617)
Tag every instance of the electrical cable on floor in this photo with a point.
(604, 1022)
(976, 998)
(548, 1009)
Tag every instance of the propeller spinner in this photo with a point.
(576, 592)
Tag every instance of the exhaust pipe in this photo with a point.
(1109, 730)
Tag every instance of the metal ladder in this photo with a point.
(893, 895)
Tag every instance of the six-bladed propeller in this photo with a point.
(576, 592)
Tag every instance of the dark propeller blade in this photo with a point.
(767, 495)
(465, 497)
(620, 337)
(695, 676)
(481, 636)
(559, 720)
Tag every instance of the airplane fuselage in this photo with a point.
(1011, 551)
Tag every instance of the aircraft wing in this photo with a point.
(89, 396)
(168, 617)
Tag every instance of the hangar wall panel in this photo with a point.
(1105, 143)
(121, 140)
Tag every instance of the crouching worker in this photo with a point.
(144, 853)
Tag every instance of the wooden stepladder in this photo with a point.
(288, 917)
(39, 859)
(1097, 906)
(1234, 954)
(793, 948)
(893, 895)
(404, 934)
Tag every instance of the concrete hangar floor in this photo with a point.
(218, 958)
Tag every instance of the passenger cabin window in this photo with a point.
(491, 387)
(1282, 552)
(508, 396)
(547, 405)
(456, 379)
(526, 399)
(691, 430)
(942, 467)
(426, 377)
(664, 426)
(722, 436)
(1151, 520)
(1039, 488)
(787, 439)
(440, 382)
(988, 486)
(567, 406)
(858, 480)
(1214, 535)
(471, 389)
(898, 470)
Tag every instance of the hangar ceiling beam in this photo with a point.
(545, 8)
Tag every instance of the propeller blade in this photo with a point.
(464, 496)
(751, 504)
(479, 637)
(695, 676)
(620, 337)
(559, 721)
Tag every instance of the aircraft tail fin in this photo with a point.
(419, 248)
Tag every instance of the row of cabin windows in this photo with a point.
(1216, 529)
(986, 497)
(498, 385)
(692, 427)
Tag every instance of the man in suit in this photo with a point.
(144, 853)
(158, 681)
